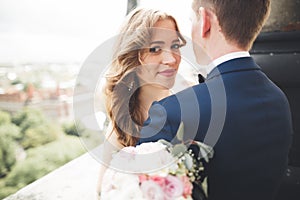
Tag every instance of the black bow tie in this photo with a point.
(201, 79)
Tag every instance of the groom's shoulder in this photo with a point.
(184, 95)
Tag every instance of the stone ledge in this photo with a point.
(76, 180)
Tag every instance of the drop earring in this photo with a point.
(130, 87)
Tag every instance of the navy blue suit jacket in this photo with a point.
(244, 116)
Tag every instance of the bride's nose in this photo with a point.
(168, 57)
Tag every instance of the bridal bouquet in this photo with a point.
(154, 170)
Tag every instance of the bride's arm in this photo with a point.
(110, 145)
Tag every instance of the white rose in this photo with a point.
(118, 185)
(124, 160)
(117, 180)
(132, 192)
(150, 147)
(122, 180)
(109, 195)
(156, 159)
(152, 191)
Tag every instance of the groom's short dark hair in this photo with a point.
(240, 20)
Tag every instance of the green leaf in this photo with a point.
(206, 151)
(165, 142)
(179, 150)
(188, 161)
(180, 132)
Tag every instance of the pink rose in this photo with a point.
(152, 191)
(187, 186)
(158, 180)
(173, 187)
(143, 178)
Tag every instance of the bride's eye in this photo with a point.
(175, 46)
(155, 49)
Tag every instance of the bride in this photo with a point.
(146, 60)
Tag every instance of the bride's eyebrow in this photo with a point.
(162, 42)
(157, 42)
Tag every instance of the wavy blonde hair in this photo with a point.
(122, 87)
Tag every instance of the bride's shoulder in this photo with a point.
(111, 137)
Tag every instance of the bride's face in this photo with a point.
(161, 59)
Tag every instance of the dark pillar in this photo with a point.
(285, 16)
(131, 4)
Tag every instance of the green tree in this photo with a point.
(10, 131)
(7, 155)
(42, 160)
(4, 117)
(73, 129)
(39, 135)
(35, 128)
(27, 116)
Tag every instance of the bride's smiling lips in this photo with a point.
(168, 72)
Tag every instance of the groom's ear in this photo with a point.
(205, 22)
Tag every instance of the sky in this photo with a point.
(67, 30)
(55, 30)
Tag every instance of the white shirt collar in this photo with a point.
(225, 58)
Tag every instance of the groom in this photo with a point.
(237, 110)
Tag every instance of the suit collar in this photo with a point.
(226, 57)
(234, 65)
